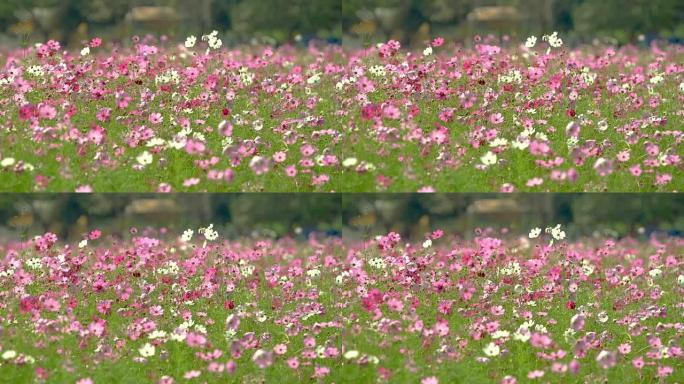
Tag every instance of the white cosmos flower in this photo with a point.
(34, 263)
(187, 235)
(655, 273)
(190, 41)
(215, 43)
(315, 78)
(534, 233)
(85, 51)
(557, 232)
(500, 334)
(258, 125)
(155, 142)
(602, 317)
(7, 162)
(147, 350)
(350, 162)
(157, 334)
(144, 158)
(521, 144)
(522, 334)
(492, 350)
(498, 142)
(180, 337)
(554, 40)
(489, 158)
(351, 354)
(209, 232)
(602, 355)
(531, 42)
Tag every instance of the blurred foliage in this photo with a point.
(279, 21)
(275, 21)
(584, 214)
(579, 20)
(352, 215)
(263, 214)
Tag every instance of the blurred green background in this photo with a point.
(238, 21)
(234, 215)
(356, 22)
(579, 21)
(586, 214)
(354, 216)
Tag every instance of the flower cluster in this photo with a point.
(167, 309)
(199, 116)
(440, 120)
(556, 233)
(165, 118)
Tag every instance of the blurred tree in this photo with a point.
(625, 20)
(278, 19)
(62, 19)
(70, 215)
(621, 214)
(284, 20)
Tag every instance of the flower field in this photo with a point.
(197, 308)
(198, 116)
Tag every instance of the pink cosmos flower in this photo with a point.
(507, 188)
(195, 340)
(496, 118)
(291, 171)
(320, 371)
(280, 349)
(623, 156)
(534, 182)
(279, 157)
(156, 118)
(293, 363)
(84, 189)
(191, 181)
(624, 348)
(664, 371)
(663, 179)
(535, 374)
(259, 165)
(191, 374)
(262, 358)
(395, 304)
(437, 42)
